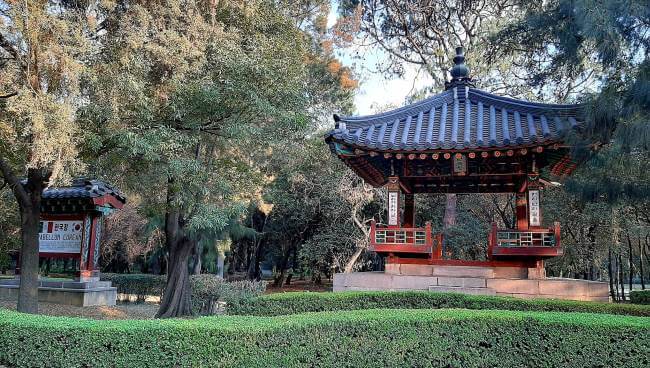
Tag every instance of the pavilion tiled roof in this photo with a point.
(460, 118)
(84, 188)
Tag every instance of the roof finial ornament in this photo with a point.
(459, 72)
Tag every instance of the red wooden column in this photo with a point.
(521, 211)
(409, 210)
(89, 267)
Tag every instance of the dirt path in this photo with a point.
(120, 311)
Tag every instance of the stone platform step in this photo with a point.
(462, 271)
(468, 282)
(463, 290)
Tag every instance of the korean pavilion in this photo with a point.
(462, 140)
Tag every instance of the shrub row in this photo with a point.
(139, 284)
(207, 289)
(300, 302)
(388, 338)
(640, 297)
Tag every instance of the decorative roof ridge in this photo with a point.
(524, 103)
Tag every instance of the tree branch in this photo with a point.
(14, 183)
(8, 95)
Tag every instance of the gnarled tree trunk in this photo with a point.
(28, 197)
(177, 297)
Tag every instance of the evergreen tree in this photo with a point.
(186, 101)
(44, 46)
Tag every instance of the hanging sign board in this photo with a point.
(460, 164)
(533, 208)
(392, 208)
(60, 236)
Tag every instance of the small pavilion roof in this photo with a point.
(460, 118)
(81, 196)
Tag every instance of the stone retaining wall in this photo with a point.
(475, 281)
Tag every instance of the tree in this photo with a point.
(189, 95)
(610, 38)
(130, 238)
(321, 211)
(9, 228)
(43, 46)
(572, 36)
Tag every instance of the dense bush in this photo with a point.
(208, 289)
(139, 284)
(390, 338)
(640, 297)
(290, 303)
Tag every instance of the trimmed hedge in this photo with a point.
(640, 297)
(207, 289)
(139, 284)
(387, 338)
(300, 302)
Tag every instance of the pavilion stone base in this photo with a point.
(77, 293)
(503, 281)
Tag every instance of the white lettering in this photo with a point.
(61, 237)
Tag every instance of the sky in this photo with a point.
(376, 92)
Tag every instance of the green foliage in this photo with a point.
(640, 297)
(208, 289)
(390, 338)
(9, 227)
(301, 302)
(138, 284)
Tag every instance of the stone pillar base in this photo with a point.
(536, 273)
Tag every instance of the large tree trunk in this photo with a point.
(28, 293)
(28, 197)
(177, 297)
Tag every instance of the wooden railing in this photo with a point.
(538, 242)
(393, 239)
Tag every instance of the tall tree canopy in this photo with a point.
(194, 97)
(44, 54)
